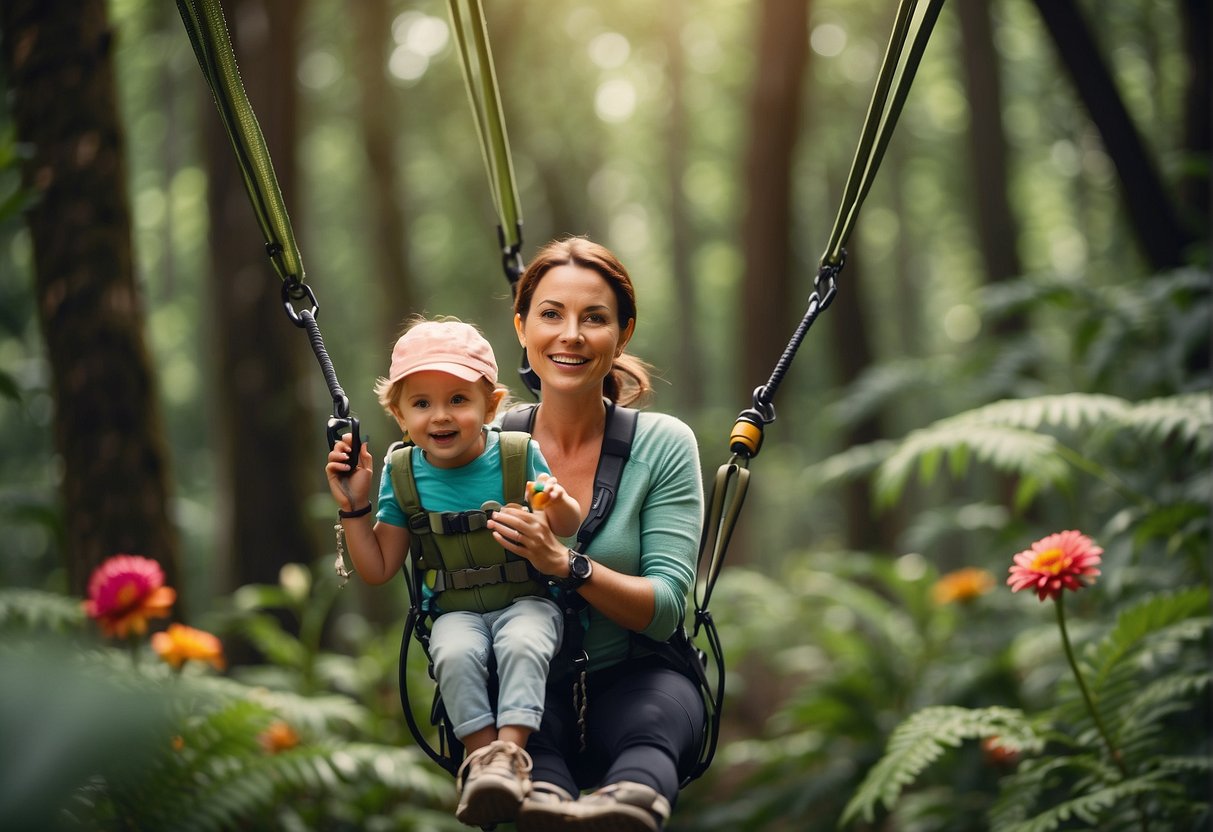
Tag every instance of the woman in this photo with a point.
(575, 311)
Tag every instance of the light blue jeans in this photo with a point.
(523, 636)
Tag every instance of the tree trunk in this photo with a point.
(264, 423)
(1151, 212)
(377, 115)
(997, 228)
(688, 352)
(1194, 187)
(767, 306)
(107, 420)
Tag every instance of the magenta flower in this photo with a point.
(1065, 560)
(124, 592)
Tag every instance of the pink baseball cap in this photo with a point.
(446, 346)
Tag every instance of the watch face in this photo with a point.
(579, 567)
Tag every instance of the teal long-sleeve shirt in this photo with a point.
(653, 530)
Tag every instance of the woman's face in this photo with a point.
(572, 332)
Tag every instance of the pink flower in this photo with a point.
(1060, 561)
(124, 592)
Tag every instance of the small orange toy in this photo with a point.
(539, 497)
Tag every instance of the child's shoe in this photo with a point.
(492, 782)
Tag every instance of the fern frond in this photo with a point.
(1021, 791)
(1163, 619)
(923, 738)
(1093, 807)
(34, 610)
(1075, 411)
(854, 462)
(1190, 417)
(1032, 456)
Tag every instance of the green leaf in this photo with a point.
(923, 738)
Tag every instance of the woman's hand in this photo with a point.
(350, 488)
(528, 536)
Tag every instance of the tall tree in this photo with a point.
(688, 364)
(264, 422)
(997, 228)
(1194, 187)
(107, 421)
(774, 128)
(377, 116)
(1152, 213)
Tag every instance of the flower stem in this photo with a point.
(1117, 759)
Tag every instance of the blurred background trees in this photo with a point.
(1040, 226)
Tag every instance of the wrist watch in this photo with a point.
(580, 569)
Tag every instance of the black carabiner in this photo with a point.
(337, 427)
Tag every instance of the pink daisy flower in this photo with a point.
(1065, 560)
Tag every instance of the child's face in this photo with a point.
(444, 416)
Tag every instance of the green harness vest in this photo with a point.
(463, 565)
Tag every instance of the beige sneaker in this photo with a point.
(547, 808)
(623, 807)
(492, 782)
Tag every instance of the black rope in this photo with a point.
(818, 302)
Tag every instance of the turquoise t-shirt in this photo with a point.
(455, 489)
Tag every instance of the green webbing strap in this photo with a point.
(882, 116)
(207, 30)
(471, 38)
(213, 47)
(892, 86)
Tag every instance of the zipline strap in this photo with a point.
(897, 72)
(212, 45)
(471, 38)
(208, 34)
(480, 78)
(882, 116)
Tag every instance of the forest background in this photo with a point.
(1019, 345)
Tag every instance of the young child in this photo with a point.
(442, 390)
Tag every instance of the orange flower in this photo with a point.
(278, 737)
(997, 754)
(1055, 563)
(962, 585)
(124, 592)
(179, 644)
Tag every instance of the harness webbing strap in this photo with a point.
(895, 75)
(208, 34)
(480, 78)
(476, 60)
(513, 572)
(207, 30)
(888, 97)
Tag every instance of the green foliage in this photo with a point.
(27, 609)
(1017, 437)
(1148, 686)
(924, 737)
(194, 753)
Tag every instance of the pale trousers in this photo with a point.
(523, 637)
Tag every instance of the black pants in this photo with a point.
(644, 723)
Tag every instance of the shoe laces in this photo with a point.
(505, 757)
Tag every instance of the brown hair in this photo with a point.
(628, 382)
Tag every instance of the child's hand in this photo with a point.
(350, 488)
(543, 491)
